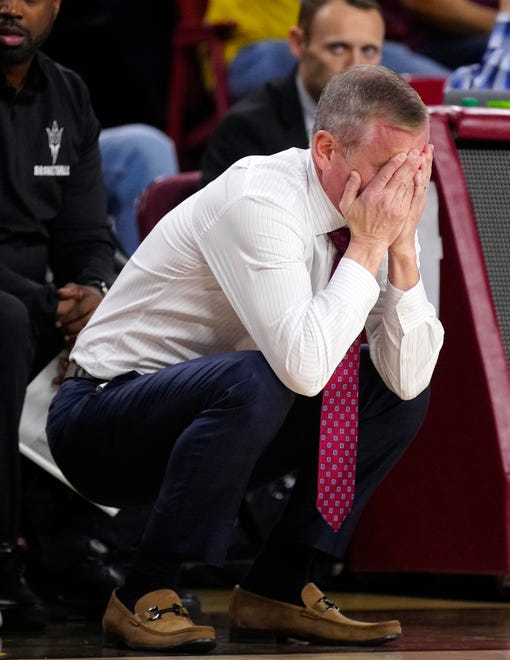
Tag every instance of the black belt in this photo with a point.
(75, 371)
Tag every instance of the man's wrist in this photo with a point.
(100, 285)
(403, 270)
(367, 254)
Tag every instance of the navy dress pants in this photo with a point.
(193, 437)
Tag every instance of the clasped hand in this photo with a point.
(76, 306)
(384, 214)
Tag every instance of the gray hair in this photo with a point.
(354, 98)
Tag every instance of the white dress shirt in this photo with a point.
(245, 264)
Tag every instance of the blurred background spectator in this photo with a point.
(451, 32)
(493, 71)
(257, 49)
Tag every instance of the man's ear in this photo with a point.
(296, 41)
(323, 147)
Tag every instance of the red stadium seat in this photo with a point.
(430, 88)
(195, 105)
(161, 196)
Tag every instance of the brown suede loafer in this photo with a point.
(320, 621)
(159, 623)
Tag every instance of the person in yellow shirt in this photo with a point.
(258, 49)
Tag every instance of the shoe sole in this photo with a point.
(201, 645)
(247, 635)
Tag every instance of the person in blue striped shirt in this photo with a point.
(493, 72)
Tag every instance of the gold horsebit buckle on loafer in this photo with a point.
(330, 605)
(155, 613)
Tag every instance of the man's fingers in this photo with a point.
(404, 176)
(387, 172)
(65, 293)
(351, 191)
(428, 157)
(72, 330)
(421, 186)
(398, 173)
(423, 174)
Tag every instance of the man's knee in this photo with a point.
(15, 324)
(17, 338)
(254, 383)
(146, 149)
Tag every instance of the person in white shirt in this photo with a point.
(201, 372)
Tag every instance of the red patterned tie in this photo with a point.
(339, 425)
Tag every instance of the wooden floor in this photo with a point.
(434, 629)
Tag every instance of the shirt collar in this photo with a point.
(326, 217)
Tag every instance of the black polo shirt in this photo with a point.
(52, 199)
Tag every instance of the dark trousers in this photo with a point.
(26, 346)
(193, 437)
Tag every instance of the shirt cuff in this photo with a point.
(407, 309)
(357, 286)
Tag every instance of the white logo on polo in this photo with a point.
(54, 139)
(54, 142)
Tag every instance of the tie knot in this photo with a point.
(340, 238)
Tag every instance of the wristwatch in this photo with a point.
(101, 285)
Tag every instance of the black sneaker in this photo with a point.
(20, 607)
